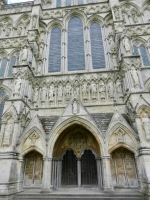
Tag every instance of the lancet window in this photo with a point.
(3, 98)
(97, 49)
(55, 50)
(7, 64)
(140, 49)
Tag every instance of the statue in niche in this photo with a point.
(39, 68)
(75, 107)
(41, 47)
(117, 13)
(24, 55)
(93, 90)
(1, 30)
(34, 20)
(17, 88)
(8, 30)
(43, 93)
(68, 91)
(135, 77)
(102, 90)
(60, 93)
(85, 91)
(51, 93)
(112, 45)
(76, 91)
(119, 88)
(135, 16)
(126, 44)
(146, 125)
(19, 30)
(33, 138)
(36, 95)
(8, 132)
(110, 89)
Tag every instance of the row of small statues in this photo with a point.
(87, 91)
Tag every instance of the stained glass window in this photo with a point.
(76, 60)
(11, 64)
(55, 50)
(135, 49)
(68, 2)
(2, 94)
(144, 56)
(58, 3)
(90, 1)
(3, 67)
(80, 1)
(98, 58)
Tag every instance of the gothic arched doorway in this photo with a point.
(88, 169)
(33, 169)
(69, 169)
(123, 168)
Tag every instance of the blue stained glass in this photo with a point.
(3, 67)
(90, 1)
(76, 60)
(144, 56)
(68, 2)
(98, 58)
(80, 1)
(2, 93)
(1, 109)
(55, 50)
(11, 64)
(58, 3)
(135, 49)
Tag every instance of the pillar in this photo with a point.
(47, 171)
(107, 180)
(79, 171)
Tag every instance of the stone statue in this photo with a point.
(112, 44)
(146, 125)
(39, 68)
(93, 91)
(8, 30)
(110, 89)
(75, 107)
(126, 44)
(43, 94)
(41, 46)
(119, 88)
(135, 78)
(51, 93)
(36, 95)
(102, 90)
(18, 83)
(84, 91)
(8, 133)
(19, 30)
(60, 93)
(117, 13)
(24, 55)
(68, 91)
(34, 19)
(134, 16)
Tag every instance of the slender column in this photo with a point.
(99, 173)
(46, 184)
(107, 180)
(20, 176)
(79, 171)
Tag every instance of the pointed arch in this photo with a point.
(59, 128)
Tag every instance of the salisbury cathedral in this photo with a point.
(75, 99)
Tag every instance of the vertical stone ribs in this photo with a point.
(48, 123)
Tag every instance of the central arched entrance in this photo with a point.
(76, 159)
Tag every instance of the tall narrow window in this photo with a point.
(80, 2)
(55, 50)
(58, 4)
(90, 1)
(3, 67)
(76, 60)
(98, 58)
(3, 98)
(144, 55)
(68, 2)
(11, 64)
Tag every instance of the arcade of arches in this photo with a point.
(77, 162)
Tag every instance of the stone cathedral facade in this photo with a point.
(75, 95)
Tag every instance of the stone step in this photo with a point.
(101, 196)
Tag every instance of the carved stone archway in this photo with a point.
(75, 141)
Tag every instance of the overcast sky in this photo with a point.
(17, 1)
